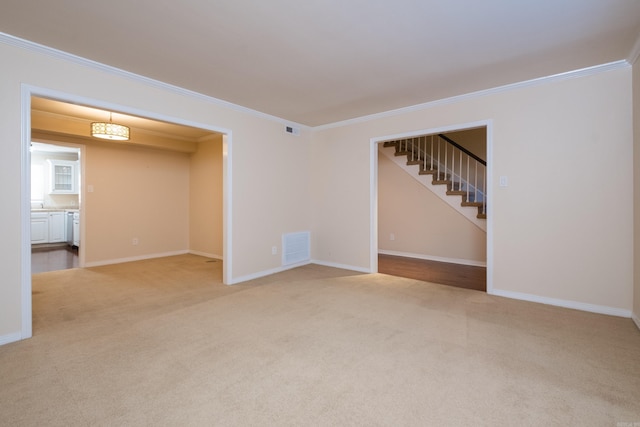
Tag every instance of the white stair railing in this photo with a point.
(463, 172)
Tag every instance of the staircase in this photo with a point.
(449, 164)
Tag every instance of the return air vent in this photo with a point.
(292, 130)
(296, 247)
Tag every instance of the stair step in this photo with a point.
(427, 172)
(453, 189)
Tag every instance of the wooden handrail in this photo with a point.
(464, 150)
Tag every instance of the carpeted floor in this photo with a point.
(163, 342)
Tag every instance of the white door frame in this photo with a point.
(373, 183)
(27, 91)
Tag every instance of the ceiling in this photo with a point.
(321, 61)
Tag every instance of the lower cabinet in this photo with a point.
(76, 232)
(40, 227)
(56, 227)
(48, 227)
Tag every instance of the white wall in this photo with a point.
(561, 230)
(267, 170)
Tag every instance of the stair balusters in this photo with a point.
(438, 159)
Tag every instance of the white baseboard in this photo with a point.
(636, 319)
(207, 255)
(342, 266)
(135, 258)
(264, 273)
(9, 338)
(434, 258)
(600, 309)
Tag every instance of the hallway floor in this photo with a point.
(52, 259)
(443, 273)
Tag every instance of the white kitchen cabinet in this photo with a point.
(63, 178)
(39, 227)
(76, 231)
(56, 227)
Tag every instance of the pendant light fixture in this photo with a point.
(110, 130)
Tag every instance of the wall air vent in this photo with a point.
(296, 247)
(292, 130)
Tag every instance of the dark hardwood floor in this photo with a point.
(461, 276)
(52, 259)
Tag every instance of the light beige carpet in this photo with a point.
(163, 342)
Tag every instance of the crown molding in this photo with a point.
(459, 98)
(58, 54)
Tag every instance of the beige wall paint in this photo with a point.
(138, 193)
(205, 198)
(636, 189)
(421, 222)
(340, 180)
(561, 230)
(474, 140)
(268, 170)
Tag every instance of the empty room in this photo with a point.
(247, 171)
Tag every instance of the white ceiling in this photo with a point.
(321, 61)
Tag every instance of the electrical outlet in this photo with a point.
(135, 241)
(274, 250)
(392, 236)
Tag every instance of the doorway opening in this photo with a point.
(431, 218)
(30, 132)
(56, 177)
